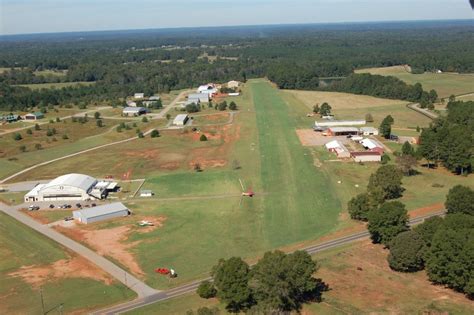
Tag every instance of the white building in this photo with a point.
(199, 97)
(371, 144)
(146, 193)
(134, 111)
(205, 87)
(180, 120)
(367, 156)
(131, 104)
(139, 96)
(154, 98)
(334, 123)
(369, 131)
(233, 84)
(69, 187)
(339, 148)
(101, 213)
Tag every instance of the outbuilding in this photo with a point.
(369, 131)
(339, 123)
(233, 84)
(342, 131)
(139, 96)
(134, 111)
(34, 116)
(146, 193)
(366, 156)
(201, 97)
(372, 145)
(339, 148)
(181, 120)
(101, 213)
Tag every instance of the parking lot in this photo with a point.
(311, 138)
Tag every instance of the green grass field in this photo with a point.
(25, 247)
(445, 84)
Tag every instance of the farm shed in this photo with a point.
(139, 95)
(205, 87)
(154, 98)
(369, 131)
(131, 104)
(367, 156)
(67, 187)
(180, 120)
(372, 144)
(101, 213)
(339, 148)
(199, 97)
(339, 123)
(342, 131)
(233, 84)
(134, 111)
(34, 116)
(146, 193)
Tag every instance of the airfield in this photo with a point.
(300, 199)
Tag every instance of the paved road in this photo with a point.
(191, 287)
(157, 116)
(118, 273)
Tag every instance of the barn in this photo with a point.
(369, 131)
(339, 148)
(180, 120)
(366, 156)
(339, 123)
(134, 111)
(101, 213)
(341, 131)
(199, 97)
(70, 187)
(34, 116)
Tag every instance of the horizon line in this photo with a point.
(234, 26)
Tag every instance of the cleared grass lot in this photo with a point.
(59, 85)
(445, 84)
(28, 249)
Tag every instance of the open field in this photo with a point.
(54, 85)
(445, 84)
(355, 275)
(57, 73)
(350, 106)
(41, 263)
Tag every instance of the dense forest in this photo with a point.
(163, 60)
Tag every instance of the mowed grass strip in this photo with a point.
(298, 204)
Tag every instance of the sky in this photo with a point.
(51, 16)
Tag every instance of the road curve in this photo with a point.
(191, 287)
(142, 289)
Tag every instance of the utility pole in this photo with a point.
(42, 301)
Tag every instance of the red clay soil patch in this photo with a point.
(75, 267)
(214, 117)
(426, 210)
(361, 277)
(36, 216)
(208, 163)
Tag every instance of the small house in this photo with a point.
(366, 156)
(34, 116)
(369, 131)
(134, 111)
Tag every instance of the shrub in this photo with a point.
(206, 290)
(38, 146)
(232, 106)
(144, 119)
(17, 137)
(141, 135)
(29, 131)
(37, 127)
(203, 138)
(155, 133)
(22, 148)
(65, 137)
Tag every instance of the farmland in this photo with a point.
(445, 84)
(41, 263)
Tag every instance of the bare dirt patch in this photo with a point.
(311, 138)
(75, 267)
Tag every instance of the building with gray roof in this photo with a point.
(101, 213)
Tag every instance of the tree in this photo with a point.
(97, 115)
(233, 106)
(203, 138)
(197, 167)
(389, 179)
(406, 253)
(358, 207)
(58, 119)
(65, 137)
(144, 119)
(316, 108)
(231, 278)
(385, 128)
(428, 228)
(387, 222)
(369, 118)
(222, 106)
(282, 282)
(206, 290)
(385, 159)
(192, 108)
(168, 116)
(22, 148)
(460, 199)
(140, 135)
(406, 163)
(38, 146)
(325, 109)
(154, 133)
(37, 127)
(99, 123)
(450, 259)
(29, 131)
(407, 149)
(17, 136)
(236, 165)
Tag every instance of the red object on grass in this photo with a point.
(163, 271)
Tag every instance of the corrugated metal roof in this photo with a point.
(102, 210)
(343, 129)
(81, 181)
(180, 118)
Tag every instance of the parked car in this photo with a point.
(33, 208)
(68, 218)
(394, 137)
(51, 206)
(78, 205)
(93, 205)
